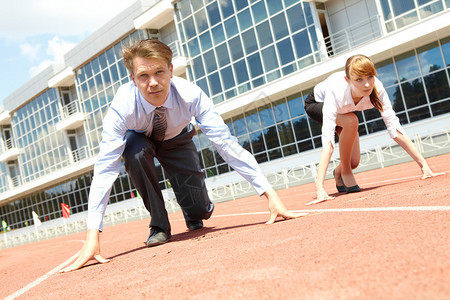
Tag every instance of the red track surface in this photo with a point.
(376, 244)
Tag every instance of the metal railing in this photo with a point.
(71, 108)
(80, 153)
(133, 209)
(175, 46)
(16, 181)
(7, 145)
(351, 37)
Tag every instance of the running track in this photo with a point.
(390, 241)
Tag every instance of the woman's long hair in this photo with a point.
(361, 65)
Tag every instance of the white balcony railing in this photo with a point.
(72, 116)
(16, 181)
(72, 108)
(351, 37)
(8, 144)
(80, 153)
(8, 150)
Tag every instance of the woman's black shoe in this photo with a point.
(351, 189)
(340, 188)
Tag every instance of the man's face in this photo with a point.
(152, 78)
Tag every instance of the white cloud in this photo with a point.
(30, 51)
(37, 69)
(56, 48)
(20, 19)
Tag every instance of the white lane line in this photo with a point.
(366, 181)
(41, 279)
(361, 209)
(364, 209)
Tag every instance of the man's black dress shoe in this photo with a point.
(194, 225)
(210, 211)
(157, 237)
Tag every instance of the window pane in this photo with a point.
(279, 26)
(218, 34)
(280, 110)
(441, 108)
(200, 20)
(296, 18)
(254, 61)
(245, 19)
(226, 6)
(264, 36)
(407, 66)
(269, 58)
(189, 28)
(205, 41)
(430, 58)
(271, 137)
(446, 49)
(103, 62)
(222, 55)
(227, 78)
(239, 125)
(252, 120)
(386, 9)
(244, 141)
(302, 44)
(396, 98)
(285, 132)
(231, 27)
(419, 114)
(203, 85)
(301, 128)
(375, 126)
(193, 47)
(95, 66)
(274, 6)
(257, 142)
(213, 13)
(266, 115)
(285, 51)
(210, 61)
(199, 71)
(240, 4)
(214, 83)
(402, 6)
(235, 47)
(240, 69)
(414, 93)
(296, 106)
(386, 72)
(259, 12)
(250, 43)
(437, 86)
(184, 8)
(208, 157)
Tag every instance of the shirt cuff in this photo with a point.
(261, 184)
(95, 221)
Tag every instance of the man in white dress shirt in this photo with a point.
(150, 117)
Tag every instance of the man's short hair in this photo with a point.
(149, 48)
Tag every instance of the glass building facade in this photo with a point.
(236, 46)
(232, 47)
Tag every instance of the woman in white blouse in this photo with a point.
(333, 102)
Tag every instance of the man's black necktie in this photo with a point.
(159, 124)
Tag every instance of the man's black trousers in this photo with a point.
(180, 161)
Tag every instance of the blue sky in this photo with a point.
(35, 33)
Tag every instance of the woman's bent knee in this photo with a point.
(347, 121)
